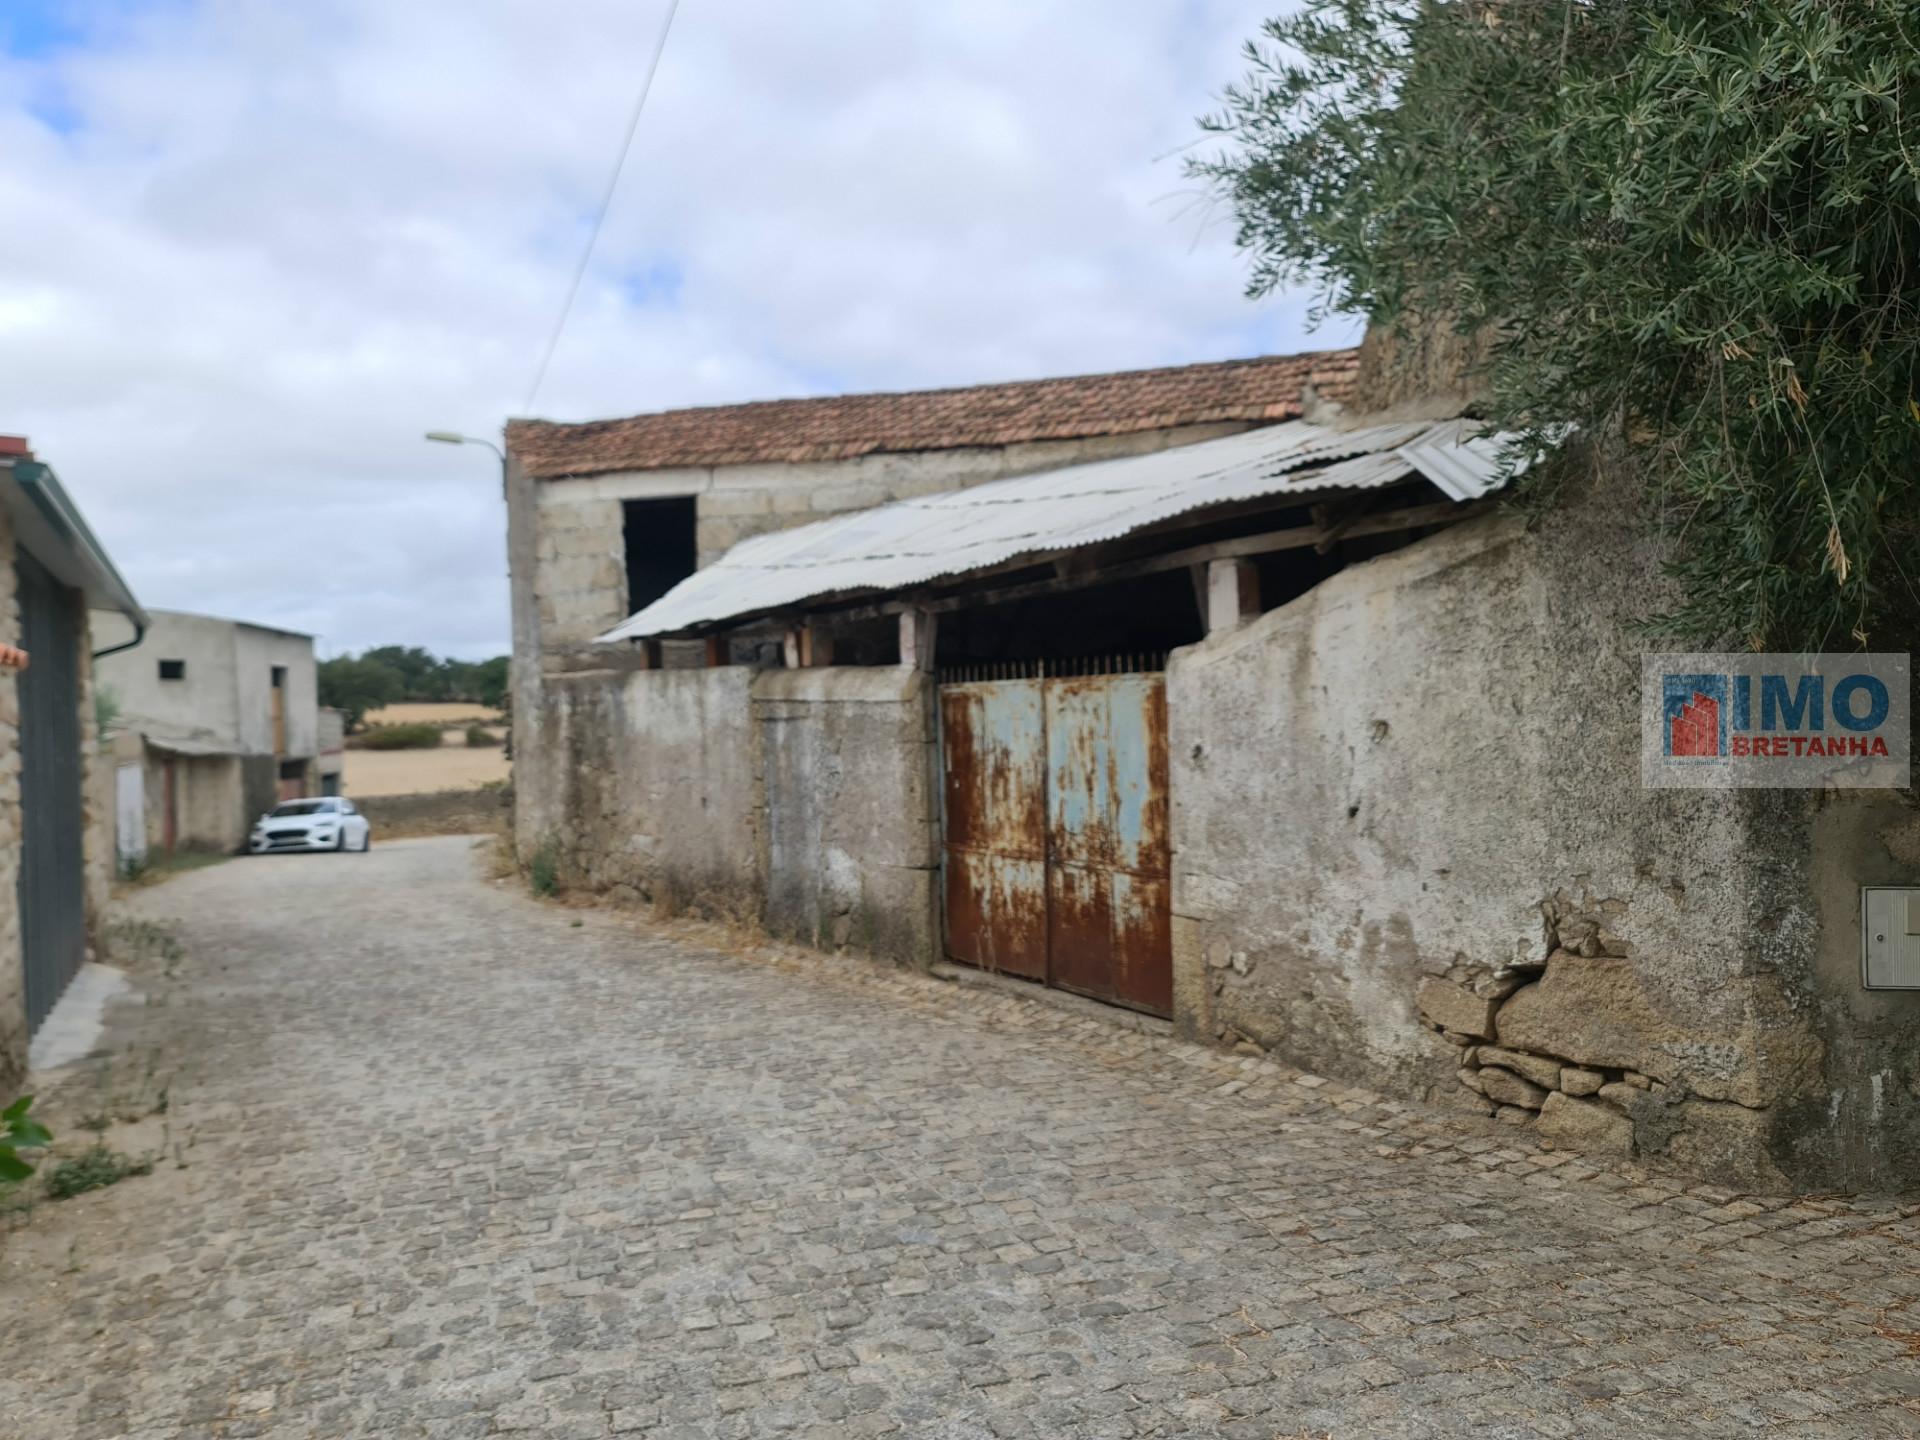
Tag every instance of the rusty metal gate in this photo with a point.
(53, 918)
(1057, 854)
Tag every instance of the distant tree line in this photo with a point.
(395, 674)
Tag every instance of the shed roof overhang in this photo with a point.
(942, 539)
(48, 525)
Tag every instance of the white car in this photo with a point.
(329, 823)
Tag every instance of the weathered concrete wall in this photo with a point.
(577, 564)
(627, 760)
(226, 696)
(257, 651)
(801, 799)
(209, 799)
(203, 705)
(13, 977)
(849, 818)
(1412, 849)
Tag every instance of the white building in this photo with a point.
(222, 716)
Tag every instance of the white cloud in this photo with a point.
(259, 248)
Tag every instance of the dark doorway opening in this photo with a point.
(661, 546)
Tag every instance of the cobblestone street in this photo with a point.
(461, 1163)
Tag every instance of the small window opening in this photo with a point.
(279, 677)
(661, 547)
(173, 669)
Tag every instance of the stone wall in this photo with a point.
(626, 760)
(481, 810)
(98, 847)
(13, 979)
(1412, 849)
(850, 818)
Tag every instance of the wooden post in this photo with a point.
(716, 651)
(806, 646)
(816, 645)
(649, 654)
(918, 629)
(1233, 594)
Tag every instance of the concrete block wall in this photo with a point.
(577, 548)
(849, 818)
(1412, 849)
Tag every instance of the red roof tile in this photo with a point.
(840, 427)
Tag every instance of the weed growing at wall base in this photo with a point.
(94, 1169)
(543, 868)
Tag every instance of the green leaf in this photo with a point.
(12, 1167)
(29, 1135)
(17, 1108)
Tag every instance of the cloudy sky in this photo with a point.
(251, 249)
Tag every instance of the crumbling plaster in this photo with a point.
(1402, 798)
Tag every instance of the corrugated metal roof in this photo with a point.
(912, 542)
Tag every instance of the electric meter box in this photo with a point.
(1890, 938)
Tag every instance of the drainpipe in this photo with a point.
(139, 634)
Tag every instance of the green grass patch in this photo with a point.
(94, 1169)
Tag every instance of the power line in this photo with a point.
(613, 183)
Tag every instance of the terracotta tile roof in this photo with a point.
(840, 427)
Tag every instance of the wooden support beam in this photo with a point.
(1383, 523)
(649, 653)
(1264, 544)
(716, 651)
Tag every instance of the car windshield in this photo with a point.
(303, 807)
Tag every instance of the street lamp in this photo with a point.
(454, 437)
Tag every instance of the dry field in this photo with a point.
(415, 772)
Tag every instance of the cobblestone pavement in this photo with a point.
(464, 1164)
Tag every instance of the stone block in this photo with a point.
(1728, 1142)
(735, 502)
(1576, 1081)
(1586, 1126)
(1506, 1088)
(833, 499)
(1454, 1007)
(1541, 1071)
(1596, 1012)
